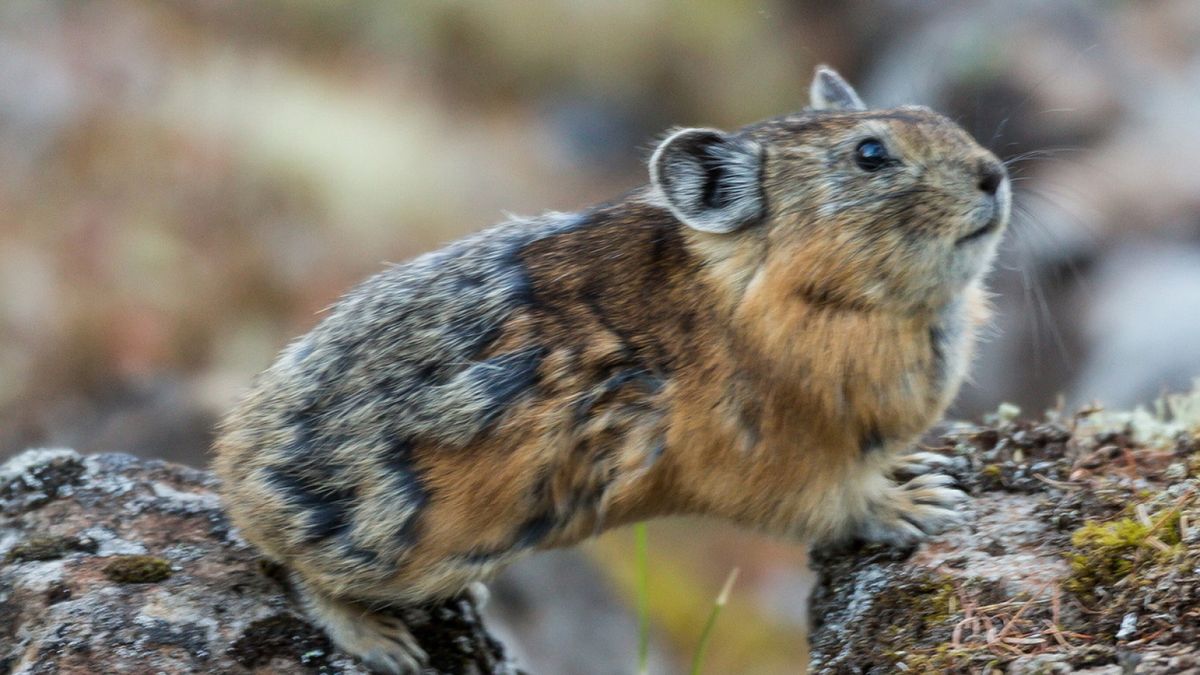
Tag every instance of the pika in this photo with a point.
(758, 335)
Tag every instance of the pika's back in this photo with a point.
(437, 348)
(417, 335)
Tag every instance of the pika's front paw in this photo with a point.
(380, 639)
(909, 512)
(384, 643)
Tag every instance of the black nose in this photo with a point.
(991, 175)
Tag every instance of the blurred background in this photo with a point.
(185, 184)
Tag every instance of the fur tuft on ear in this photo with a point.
(830, 92)
(711, 180)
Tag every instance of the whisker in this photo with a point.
(1037, 88)
(1041, 154)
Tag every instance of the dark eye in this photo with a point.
(870, 155)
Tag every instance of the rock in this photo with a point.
(114, 564)
(1074, 558)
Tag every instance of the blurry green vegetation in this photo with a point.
(710, 624)
(642, 547)
(684, 575)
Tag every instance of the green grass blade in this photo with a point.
(698, 660)
(643, 596)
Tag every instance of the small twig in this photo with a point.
(1009, 648)
(956, 634)
(1056, 632)
(1179, 504)
(1022, 610)
(1011, 603)
(1149, 638)
(1025, 641)
(1140, 511)
(1158, 544)
(1062, 485)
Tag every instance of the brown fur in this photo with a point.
(549, 379)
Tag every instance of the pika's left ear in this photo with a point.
(711, 180)
(830, 92)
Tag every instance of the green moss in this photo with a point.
(941, 659)
(1106, 553)
(137, 569)
(48, 548)
(991, 477)
(943, 604)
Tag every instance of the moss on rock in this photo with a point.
(48, 548)
(1107, 553)
(137, 569)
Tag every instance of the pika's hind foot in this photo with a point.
(924, 505)
(382, 641)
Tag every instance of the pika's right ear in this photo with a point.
(711, 181)
(830, 92)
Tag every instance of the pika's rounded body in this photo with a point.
(758, 335)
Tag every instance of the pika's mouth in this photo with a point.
(996, 210)
(995, 222)
(989, 227)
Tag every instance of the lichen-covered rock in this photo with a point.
(113, 564)
(1080, 554)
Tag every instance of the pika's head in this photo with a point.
(896, 208)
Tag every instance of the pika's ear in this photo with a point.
(711, 180)
(830, 92)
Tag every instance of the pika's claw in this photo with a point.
(381, 640)
(915, 510)
(919, 463)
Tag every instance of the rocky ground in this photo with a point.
(1081, 555)
(114, 564)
